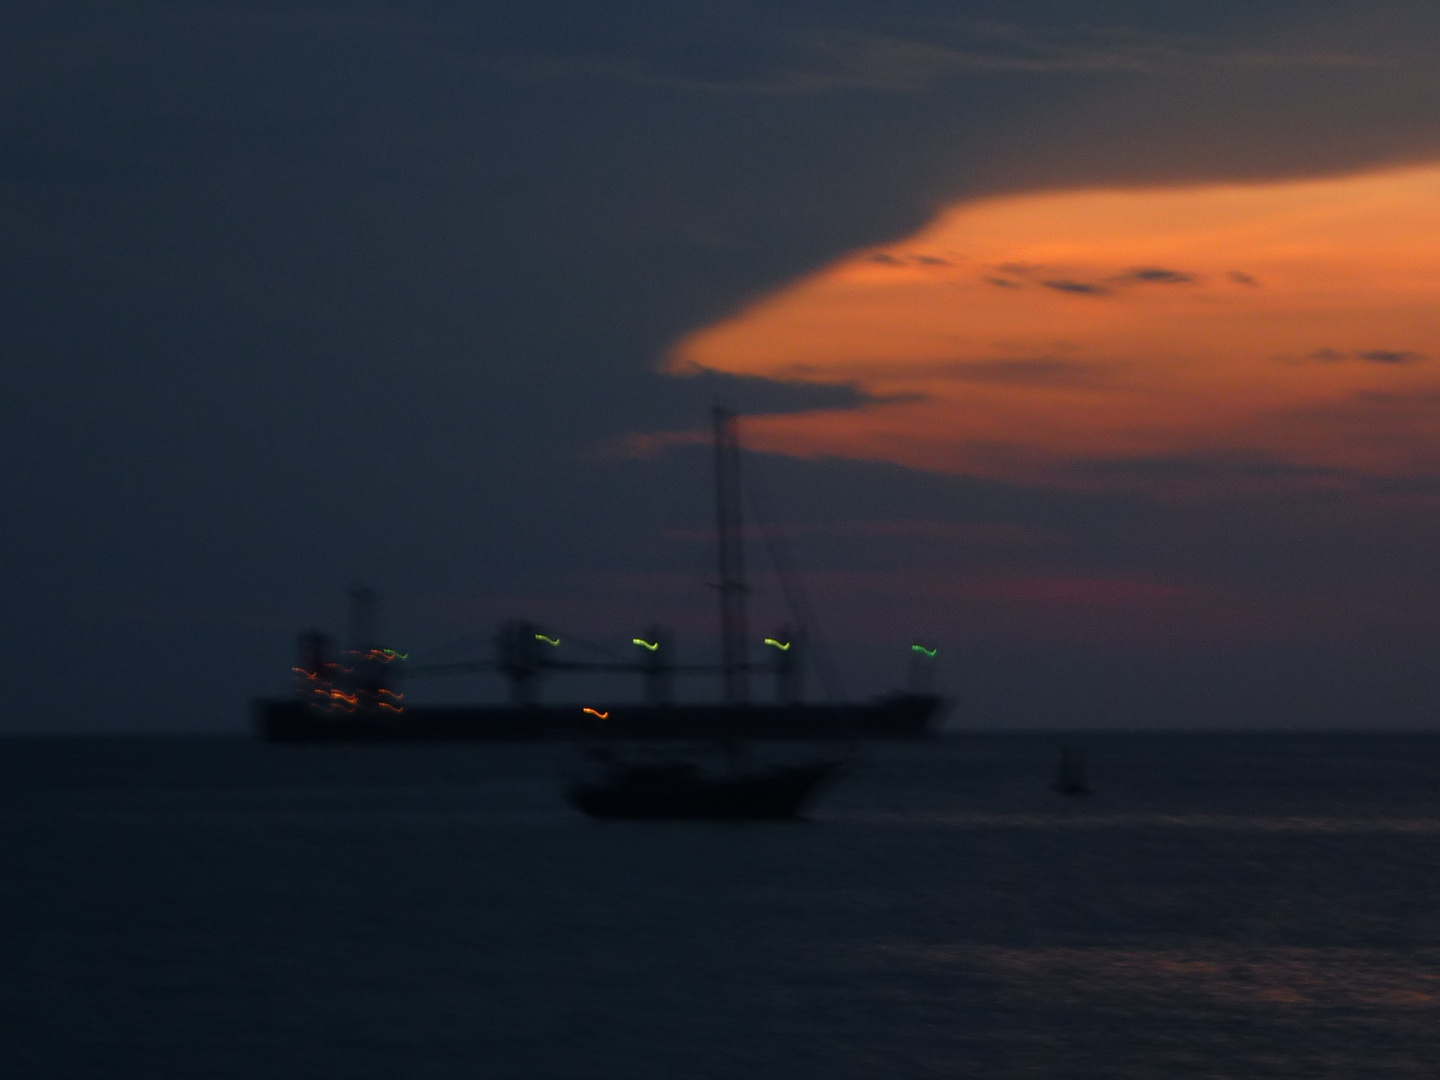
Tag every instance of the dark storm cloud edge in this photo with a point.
(754, 395)
(809, 61)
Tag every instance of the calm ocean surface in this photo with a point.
(1222, 905)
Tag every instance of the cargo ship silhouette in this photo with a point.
(355, 696)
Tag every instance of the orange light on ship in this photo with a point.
(596, 713)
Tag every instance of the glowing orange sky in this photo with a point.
(1059, 337)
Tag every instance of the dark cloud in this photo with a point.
(755, 396)
(1368, 356)
(1140, 275)
(886, 259)
(779, 59)
(1241, 278)
(1155, 275)
(1082, 288)
(1389, 356)
(1004, 283)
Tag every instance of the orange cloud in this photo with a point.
(1095, 338)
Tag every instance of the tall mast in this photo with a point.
(728, 532)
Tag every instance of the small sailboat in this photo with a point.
(1070, 778)
(683, 789)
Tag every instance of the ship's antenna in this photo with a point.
(730, 534)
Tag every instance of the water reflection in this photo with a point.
(1219, 972)
(1101, 822)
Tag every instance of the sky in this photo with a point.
(1070, 338)
(1094, 342)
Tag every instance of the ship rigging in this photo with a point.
(356, 696)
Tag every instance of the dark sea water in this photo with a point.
(1222, 905)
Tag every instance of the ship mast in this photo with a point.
(729, 533)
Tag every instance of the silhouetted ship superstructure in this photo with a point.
(355, 696)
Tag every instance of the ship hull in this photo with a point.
(903, 716)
